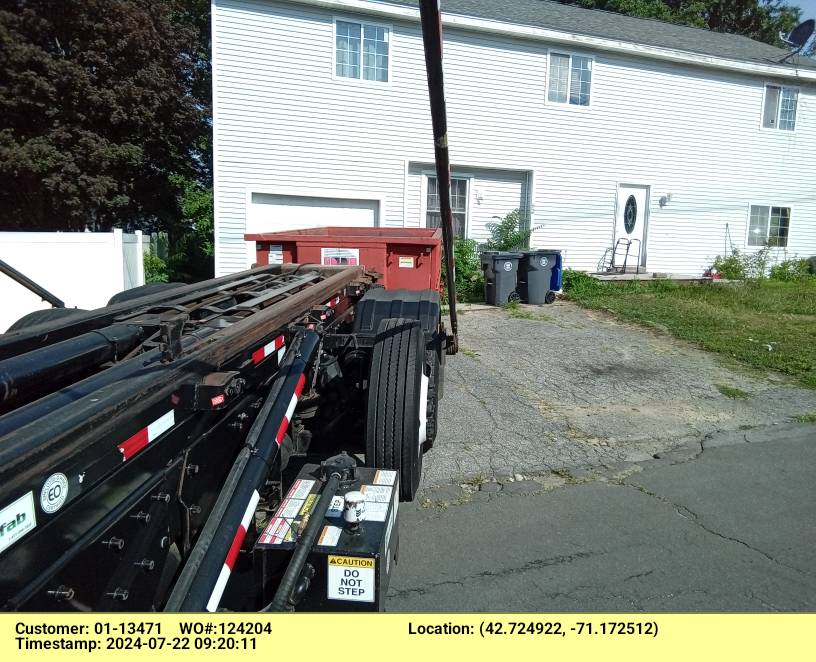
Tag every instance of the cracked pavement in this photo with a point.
(548, 490)
(578, 388)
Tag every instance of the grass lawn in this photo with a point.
(768, 325)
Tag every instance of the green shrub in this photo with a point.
(577, 285)
(731, 266)
(511, 233)
(791, 271)
(469, 275)
(155, 269)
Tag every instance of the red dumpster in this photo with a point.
(408, 258)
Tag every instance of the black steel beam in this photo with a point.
(29, 284)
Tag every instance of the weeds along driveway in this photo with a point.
(560, 388)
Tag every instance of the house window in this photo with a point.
(361, 51)
(769, 226)
(459, 198)
(780, 108)
(570, 79)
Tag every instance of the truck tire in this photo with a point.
(397, 400)
(141, 291)
(42, 317)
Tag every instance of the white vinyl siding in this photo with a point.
(372, 61)
(691, 132)
(570, 79)
(779, 110)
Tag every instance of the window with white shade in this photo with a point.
(570, 79)
(361, 50)
(459, 203)
(769, 226)
(779, 109)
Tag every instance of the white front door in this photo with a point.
(630, 223)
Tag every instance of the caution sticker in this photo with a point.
(351, 578)
(308, 505)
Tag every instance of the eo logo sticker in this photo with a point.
(508, 266)
(54, 493)
(543, 261)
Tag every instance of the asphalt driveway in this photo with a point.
(587, 465)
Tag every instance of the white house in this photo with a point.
(602, 126)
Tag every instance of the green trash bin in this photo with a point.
(500, 271)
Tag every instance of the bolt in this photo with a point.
(192, 469)
(161, 496)
(145, 564)
(142, 516)
(62, 593)
(114, 543)
(164, 543)
(195, 510)
(118, 594)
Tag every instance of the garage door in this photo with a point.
(274, 213)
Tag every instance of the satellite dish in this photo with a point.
(800, 34)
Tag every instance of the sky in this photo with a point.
(808, 7)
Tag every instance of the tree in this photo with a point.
(104, 110)
(762, 20)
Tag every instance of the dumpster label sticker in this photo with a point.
(329, 536)
(351, 578)
(16, 520)
(54, 493)
(508, 266)
(275, 254)
(406, 262)
(300, 489)
(277, 531)
(336, 507)
(381, 493)
(289, 508)
(340, 257)
(384, 477)
(543, 261)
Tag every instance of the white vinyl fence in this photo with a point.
(84, 269)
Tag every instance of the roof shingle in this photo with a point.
(608, 25)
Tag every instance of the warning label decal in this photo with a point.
(381, 493)
(351, 578)
(289, 508)
(329, 536)
(277, 531)
(300, 489)
(384, 477)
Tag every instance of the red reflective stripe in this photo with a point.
(258, 355)
(134, 444)
(282, 431)
(301, 383)
(237, 541)
(279, 342)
